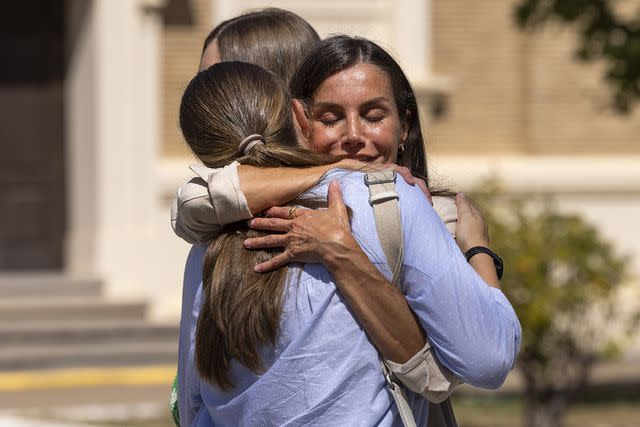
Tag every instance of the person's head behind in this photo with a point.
(220, 107)
(338, 54)
(273, 38)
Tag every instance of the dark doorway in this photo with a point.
(32, 213)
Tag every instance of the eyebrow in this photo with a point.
(367, 103)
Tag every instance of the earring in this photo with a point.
(401, 149)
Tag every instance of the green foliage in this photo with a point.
(603, 34)
(560, 275)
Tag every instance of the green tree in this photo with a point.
(561, 277)
(603, 34)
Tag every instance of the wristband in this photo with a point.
(497, 261)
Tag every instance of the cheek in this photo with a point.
(321, 147)
(387, 140)
(323, 140)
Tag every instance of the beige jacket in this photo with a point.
(213, 199)
(207, 203)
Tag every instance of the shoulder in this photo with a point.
(351, 183)
(447, 210)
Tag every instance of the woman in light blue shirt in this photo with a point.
(288, 350)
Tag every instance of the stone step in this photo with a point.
(83, 308)
(91, 332)
(43, 285)
(81, 355)
(50, 321)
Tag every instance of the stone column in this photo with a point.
(112, 122)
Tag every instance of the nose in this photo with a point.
(353, 139)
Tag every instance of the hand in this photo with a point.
(314, 236)
(471, 229)
(403, 171)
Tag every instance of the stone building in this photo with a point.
(495, 101)
(86, 192)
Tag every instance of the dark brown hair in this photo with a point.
(275, 39)
(338, 53)
(241, 309)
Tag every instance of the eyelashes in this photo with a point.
(333, 121)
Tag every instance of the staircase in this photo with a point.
(53, 321)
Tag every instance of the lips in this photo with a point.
(363, 158)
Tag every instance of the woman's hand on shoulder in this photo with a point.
(471, 229)
(403, 171)
(306, 235)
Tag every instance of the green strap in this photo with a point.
(173, 401)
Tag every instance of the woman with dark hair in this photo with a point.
(364, 61)
(282, 347)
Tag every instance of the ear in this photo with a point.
(301, 122)
(405, 127)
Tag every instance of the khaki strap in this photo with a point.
(404, 410)
(386, 209)
(384, 200)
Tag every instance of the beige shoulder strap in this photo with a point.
(384, 200)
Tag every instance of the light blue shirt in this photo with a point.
(324, 371)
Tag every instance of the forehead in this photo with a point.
(357, 83)
(210, 56)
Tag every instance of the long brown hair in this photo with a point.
(241, 309)
(273, 38)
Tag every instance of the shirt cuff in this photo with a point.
(229, 202)
(425, 375)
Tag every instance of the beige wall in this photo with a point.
(181, 51)
(518, 93)
(569, 100)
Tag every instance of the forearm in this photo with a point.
(380, 307)
(266, 187)
(218, 197)
(486, 269)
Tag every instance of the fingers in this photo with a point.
(405, 173)
(471, 229)
(475, 209)
(467, 206)
(273, 264)
(336, 201)
(423, 186)
(264, 242)
(270, 224)
(463, 204)
(285, 212)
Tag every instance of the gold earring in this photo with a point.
(401, 149)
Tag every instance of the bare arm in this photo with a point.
(266, 187)
(218, 197)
